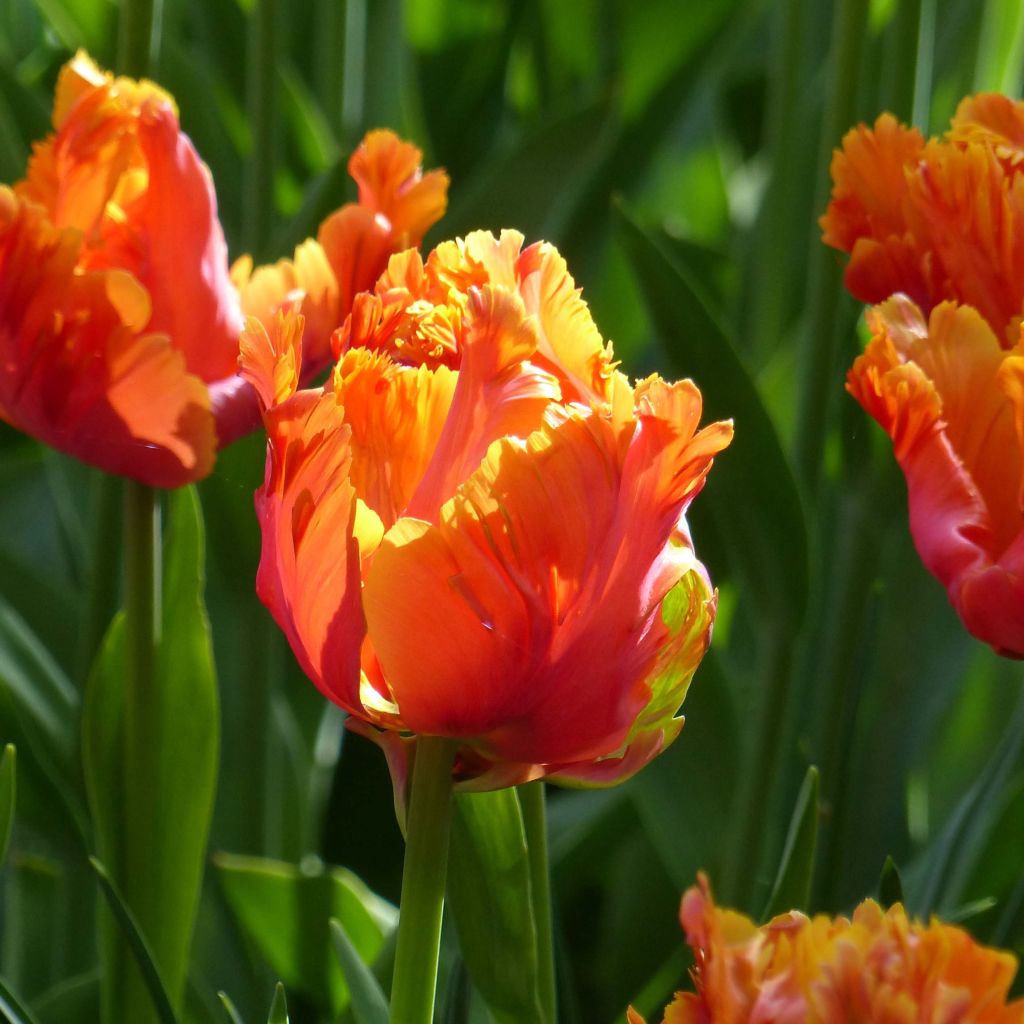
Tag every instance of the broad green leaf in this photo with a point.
(13, 1011)
(81, 23)
(488, 896)
(996, 873)
(1000, 48)
(285, 910)
(664, 795)
(937, 882)
(793, 881)
(154, 842)
(7, 797)
(279, 1007)
(43, 699)
(137, 943)
(72, 999)
(369, 1005)
(890, 885)
(539, 185)
(751, 507)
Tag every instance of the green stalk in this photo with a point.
(535, 823)
(819, 356)
(141, 723)
(423, 879)
(260, 88)
(135, 37)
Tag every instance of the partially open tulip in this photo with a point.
(878, 966)
(119, 316)
(935, 233)
(475, 529)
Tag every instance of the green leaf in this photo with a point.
(279, 1007)
(937, 882)
(488, 896)
(285, 910)
(890, 885)
(154, 842)
(42, 698)
(793, 881)
(751, 507)
(711, 733)
(13, 1011)
(369, 1005)
(39, 708)
(137, 943)
(71, 999)
(229, 1008)
(7, 792)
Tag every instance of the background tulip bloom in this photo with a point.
(940, 227)
(116, 310)
(877, 966)
(397, 205)
(476, 528)
(119, 316)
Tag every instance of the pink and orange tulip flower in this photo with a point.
(935, 232)
(475, 529)
(878, 966)
(119, 315)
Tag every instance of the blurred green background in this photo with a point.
(676, 153)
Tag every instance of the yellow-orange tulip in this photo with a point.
(119, 317)
(935, 233)
(878, 966)
(476, 528)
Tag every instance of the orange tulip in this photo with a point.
(880, 966)
(475, 529)
(935, 233)
(119, 318)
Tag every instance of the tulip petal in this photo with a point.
(869, 176)
(993, 120)
(119, 168)
(969, 215)
(397, 415)
(309, 568)
(271, 361)
(569, 346)
(173, 243)
(499, 394)
(935, 390)
(74, 370)
(391, 182)
(533, 597)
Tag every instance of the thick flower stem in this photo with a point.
(531, 799)
(140, 757)
(423, 880)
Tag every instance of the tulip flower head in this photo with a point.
(475, 529)
(119, 315)
(878, 966)
(935, 233)
(116, 310)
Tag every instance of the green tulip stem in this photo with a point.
(142, 571)
(140, 757)
(535, 822)
(135, 40)
(428, 825)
